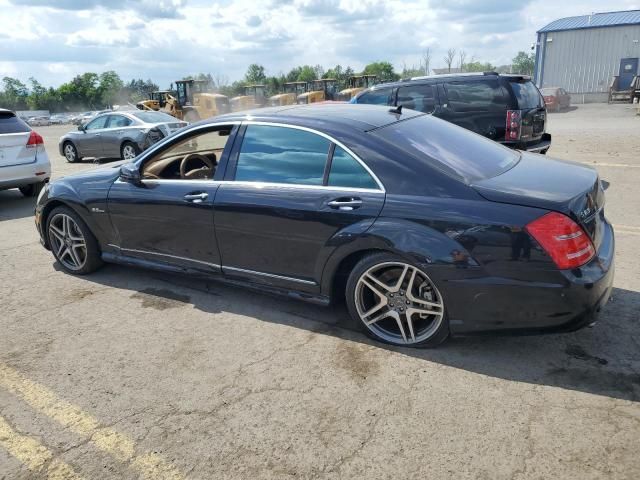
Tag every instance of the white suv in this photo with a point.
(24, 163)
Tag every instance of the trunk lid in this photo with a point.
(555, 185)
(14, 151)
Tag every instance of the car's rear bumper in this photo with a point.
(14, 176)
(539, 146)
(565, 301)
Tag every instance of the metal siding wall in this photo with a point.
(584, 61)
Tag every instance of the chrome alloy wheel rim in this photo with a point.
(128, 153)
(399, 303)
(69, 152)
(67, 241)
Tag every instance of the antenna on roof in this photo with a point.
(397, 110)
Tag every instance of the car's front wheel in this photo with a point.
(396, 302)
(72, 243)
(71, 152)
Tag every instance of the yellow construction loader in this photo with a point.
(320, 91)
(156, 100)
(254, 97)
(356, 84)
(289, 94)
(193, 101)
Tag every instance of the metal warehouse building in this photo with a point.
(582, 54)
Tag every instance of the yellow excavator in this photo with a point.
(156, 100)
(356, 84)
(320, 91)
(192, 100)
(289, 94)
(254, 97)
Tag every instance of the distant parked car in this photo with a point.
(59, 119)
(506, 108)
(24, 163)
(83, 118)
(39, 121)
(555, 98)
(118, 135)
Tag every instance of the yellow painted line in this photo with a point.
(33, 455)
(122, 448)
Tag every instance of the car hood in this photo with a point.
(110, 171)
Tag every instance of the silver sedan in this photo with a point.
(117, 135)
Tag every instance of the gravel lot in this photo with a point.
(134, 374)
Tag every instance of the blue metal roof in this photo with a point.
(606, 19)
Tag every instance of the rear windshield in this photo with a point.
(154, 117)
(527, 94)
(9, 123)
(450, 148)
(548, 91)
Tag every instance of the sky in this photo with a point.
(164, 40)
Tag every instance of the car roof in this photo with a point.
(343, 115)
(447, 77)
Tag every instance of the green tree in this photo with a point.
(523, 63)
(307, 74)
(478, 67)
(110, 88)
(14, 94)
(384, 71)
(255, 74)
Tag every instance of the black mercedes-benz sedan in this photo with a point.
(423, 228)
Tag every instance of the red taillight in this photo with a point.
(35, 139)
(566, 243)
(514, 122)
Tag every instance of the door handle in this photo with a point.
(196, 197)
(345, 204)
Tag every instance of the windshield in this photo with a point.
(153, 117)
(527, 94)
(450, 148)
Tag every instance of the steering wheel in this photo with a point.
(205, 171)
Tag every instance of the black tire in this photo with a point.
(32, 190)
(129, 146)
(435, 338)
(93, 260)
(69, 147)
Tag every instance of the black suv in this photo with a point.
(506, 108)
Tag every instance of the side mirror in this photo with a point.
(130, 173)
(81, 128)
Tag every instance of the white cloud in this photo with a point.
(168, 39)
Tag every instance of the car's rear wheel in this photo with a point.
(72, 243)
(129, 151)
(32, 190)
(396, 302)
(71, 152)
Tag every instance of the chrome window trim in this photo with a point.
(324, 135)
(177, 257)
(270, 275)
(150, 152)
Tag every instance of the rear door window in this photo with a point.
(118, 121)
(417, 97)
(526, 93)
(346, 171)
(282, 155)
(477, 96)
(9, 123)
(381, 96)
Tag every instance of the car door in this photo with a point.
(89, 142)
(113, 135)
(167, 218)
(290, 196)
